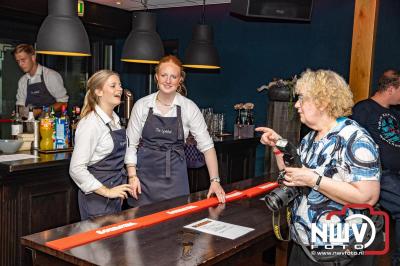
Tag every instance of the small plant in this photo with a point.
(288, 85)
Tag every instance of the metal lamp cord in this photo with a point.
(203, 17)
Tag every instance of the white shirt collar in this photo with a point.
(178, 100)
(39, 71)
(105, 117)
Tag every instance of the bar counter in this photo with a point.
(62, 158)
(168, 243)
(38, 194)
(43, 161)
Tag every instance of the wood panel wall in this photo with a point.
(362, 51)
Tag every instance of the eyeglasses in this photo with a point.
(300, 98)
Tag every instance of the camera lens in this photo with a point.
(273, 202)
(280, 197)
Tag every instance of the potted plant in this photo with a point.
(280, 90)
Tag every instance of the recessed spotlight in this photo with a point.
(118, 2)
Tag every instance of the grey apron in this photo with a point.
(161, 162)
(110, 172)
(38, 95)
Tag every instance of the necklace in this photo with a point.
(168, 105)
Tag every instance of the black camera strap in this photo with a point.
(276, 223)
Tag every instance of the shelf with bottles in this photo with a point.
(57, 132)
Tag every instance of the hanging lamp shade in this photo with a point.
(201, 52)
(143, 44)
(62, 33)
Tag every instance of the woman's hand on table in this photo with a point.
(215, 188)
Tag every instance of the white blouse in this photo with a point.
(192, 120)
(93, 142)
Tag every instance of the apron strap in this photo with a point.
(41, 79)
(109, 127)
(180, 124)
(107, 124)
(168, 163)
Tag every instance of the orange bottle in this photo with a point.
(46, 132)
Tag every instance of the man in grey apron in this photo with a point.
(110, 172)
(38, 95)
(40, 86)
(161, 163)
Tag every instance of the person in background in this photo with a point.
(157, 130)
(378, 115)
(340, 160)
(97, 163)
(40, 86)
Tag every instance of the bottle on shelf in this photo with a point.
(16, 125)
(30, 114)
(46, 130)
(29, 123)
(52, 115)
(238, 119)
(76, 112)
(250, 118)
(244, 117)
(62, 129)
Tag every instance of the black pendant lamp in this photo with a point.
(143, 44)
(201, 52)
(62, 32)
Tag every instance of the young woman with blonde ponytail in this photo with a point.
(160, 123)
(97, 163)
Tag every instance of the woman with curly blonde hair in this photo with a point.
(340, 163)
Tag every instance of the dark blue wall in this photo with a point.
(253, 53)
(387, 52)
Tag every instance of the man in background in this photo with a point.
(378, 115)
(40, 86)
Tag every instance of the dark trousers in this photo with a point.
(390, 200)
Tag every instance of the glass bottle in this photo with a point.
(31, 117)
(30, 121)
(46, 131)
(16, 125)
(250, 119)
(238, 117)
(62, 129)
(244, 117)
(76, 111)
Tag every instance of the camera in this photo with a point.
(283, 195)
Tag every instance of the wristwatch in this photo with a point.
(316, 186)
(215, 179)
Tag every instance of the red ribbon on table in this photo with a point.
(149, 220)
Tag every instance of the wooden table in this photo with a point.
(30, 189)
(167, 243)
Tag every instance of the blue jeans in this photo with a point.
(390, 200)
